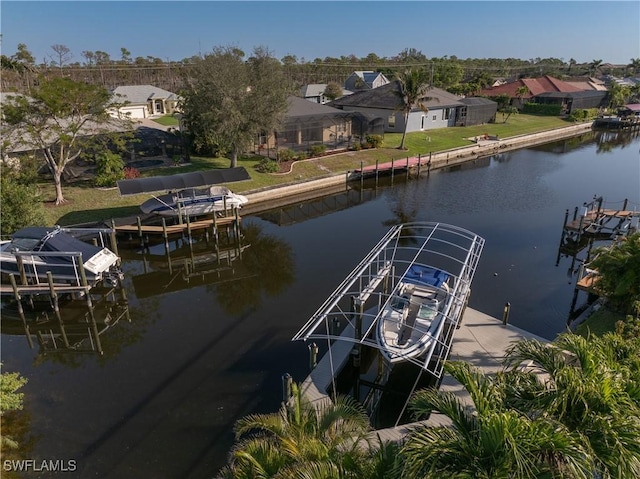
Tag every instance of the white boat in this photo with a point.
(409, 322)
(194, 202)
(188, 194)
(36, 251)
(405, 298)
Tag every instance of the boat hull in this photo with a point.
(193, 202)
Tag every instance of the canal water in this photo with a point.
(208, 344)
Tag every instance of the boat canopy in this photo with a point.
(52, 240)
(182, 180)
(433, 255)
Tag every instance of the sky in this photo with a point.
(175, 30)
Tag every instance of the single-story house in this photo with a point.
(307, 124)
(365, 80)
(531, 87)
(144, 101)
(314, 92)
(384, 104)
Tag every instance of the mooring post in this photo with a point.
(377, 173)
(313, 355)
(407, 167)
(56, 308)
(112, 238)
(18, 299)
(287, 381)
(139, 222)
(392, 172)
(361, 175)
(419, 164)
(505, 314)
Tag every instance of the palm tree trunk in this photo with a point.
(404, 132)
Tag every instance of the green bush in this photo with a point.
(267, 165)
(356, 146)
(286, 154)
(317, 150)
(21, 204)
(376, 141)
(542, 109)
(302, 155)
(583, 114)
(109, 169)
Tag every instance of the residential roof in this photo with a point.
(633, 107)
(140, 94)
(298, 107)
(535, 86)
(477, 101)
(317, 89)
(385, 98)
(313, 89)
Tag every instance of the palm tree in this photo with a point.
(634, 66)
(590, 388)
(302, 439)
(488, 441)
(619, 273)
(594, 66)
(413, 85)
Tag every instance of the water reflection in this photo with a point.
(207, 346)
(67, 333)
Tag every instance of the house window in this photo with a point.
(435, 117)
(392, 121)
(445, 113)
(422, 122)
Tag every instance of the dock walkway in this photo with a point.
(481, 341)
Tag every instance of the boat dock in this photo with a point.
(594, 219)
(143, 231)
(481, 341)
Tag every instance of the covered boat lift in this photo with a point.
(348, 319)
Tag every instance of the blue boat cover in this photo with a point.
(52, 240)
(418, 274)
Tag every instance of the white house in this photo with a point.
(144, 101)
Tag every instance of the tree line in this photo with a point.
(20, 71)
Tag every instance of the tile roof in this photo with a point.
(535, 86)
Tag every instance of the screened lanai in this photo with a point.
(308, 124)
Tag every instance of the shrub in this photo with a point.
(130, 173)
(302, 155)
(110, 168)
(286, 154)
(376, 141)
(21, 204)
(356, 146)
(317, 150)
(267, 165)
(583, 114)
(542, 109)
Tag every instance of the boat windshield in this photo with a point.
(399, 303)
(24, 244)
(428, 310)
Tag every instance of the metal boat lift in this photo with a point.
(352, 311)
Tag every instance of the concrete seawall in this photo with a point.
(438, 160)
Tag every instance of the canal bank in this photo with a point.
(480, 148)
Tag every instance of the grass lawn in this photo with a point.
(167, 120)
(88, 204)
(600, 322)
